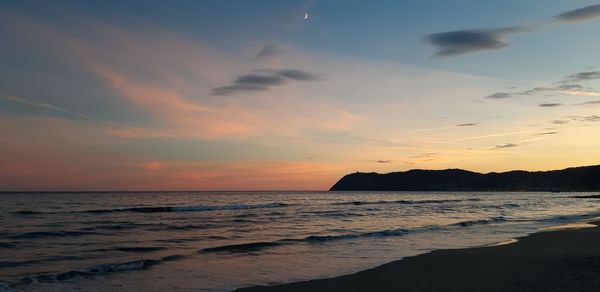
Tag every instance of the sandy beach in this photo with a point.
(559, 259)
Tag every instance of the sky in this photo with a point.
(291, 95)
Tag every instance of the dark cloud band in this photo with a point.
(259, 80)
(264, 81)
(583, 76)
(580, 14)
(506, 145)
(550, 104)
(499, 95)
(459, 42)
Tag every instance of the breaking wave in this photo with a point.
(480, 221)
(98, 270)
(405, 202)
(256, 246)
(196, 208)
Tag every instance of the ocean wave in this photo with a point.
(256, 246)
(128, 266)
(380, 233)
(94, 271)
(511, 205)
(244, 247)
(42, 234)
(567, 218)
(585, 197)
(7, 245)
(195, 208)
(480, 221)
(185, 227)
(502, 206)
(26, 212)
(13, 264)
(406, 202)
(163, 209)
(111, 227)
(139, 248)
(136, 249)
(332, 213)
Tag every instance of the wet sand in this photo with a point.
(556, 260)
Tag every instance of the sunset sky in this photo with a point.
(250, 95)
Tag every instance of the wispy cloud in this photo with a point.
(516, 144)
(580, 14)
(576, 120)
(592, 118)
(567, 86)
(467, 125)
(583, 76)
(499, 95)
(184, 117)
(269, 51)
(425, 155)
(459, 42)
(264, 81)
(544, 133)
(491, 135)
(590, 103)
(533, 91)
(34, 103)
(249, 82)
(297, 75)
(383, 161)
(582, 93)
(506, 145)
(44, 105)
(550, 104)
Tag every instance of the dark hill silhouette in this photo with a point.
(576, 179)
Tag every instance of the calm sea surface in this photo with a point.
(218, 241)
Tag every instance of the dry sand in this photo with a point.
(558, 260)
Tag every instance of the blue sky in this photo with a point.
(194, 94)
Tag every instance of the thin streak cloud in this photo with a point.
(544, 133)
(492, 135)
(590, 103)
(120, 131)
(55, 108)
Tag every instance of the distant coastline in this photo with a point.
(574, 179)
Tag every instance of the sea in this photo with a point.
(220, 241)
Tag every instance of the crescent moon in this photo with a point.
(305, 16)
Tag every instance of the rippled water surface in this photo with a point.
(220, 241)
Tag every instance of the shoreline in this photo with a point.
(559, 258)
